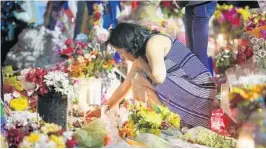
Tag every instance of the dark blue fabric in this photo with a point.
(109, 18)
(197, 29)
(187, 88)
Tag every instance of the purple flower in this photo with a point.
(117, 58)
(263, 34)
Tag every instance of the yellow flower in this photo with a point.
(50, 127)
(12, 81)
(217, 14)
(244, 13)
(218, 7)
(96, 7)
(151, 116)
(19, 104)
(59, 141)
(33, 137)
(3, 142)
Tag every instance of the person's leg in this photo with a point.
(200, 30)
(188, 19)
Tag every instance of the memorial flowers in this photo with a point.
(144, 119)
(60, 82)
(228, 18)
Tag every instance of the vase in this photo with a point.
(52, 108)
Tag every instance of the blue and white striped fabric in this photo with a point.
(187, 89)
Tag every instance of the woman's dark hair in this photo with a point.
(130, 37)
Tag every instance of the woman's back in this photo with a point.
(187, 89)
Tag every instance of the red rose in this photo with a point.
(235, 21)
(167, 4)
(244, 42)
(249, 52)
(97, 16)
(68, 42)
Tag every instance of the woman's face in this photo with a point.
(125, 55)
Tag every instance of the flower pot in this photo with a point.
(52, 107)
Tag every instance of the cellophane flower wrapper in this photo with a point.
(152, 141)
(258, 46)
(92, 134)
(247, 90)
(201, 135)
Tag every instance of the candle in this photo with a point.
(245, 142)
(245, 139)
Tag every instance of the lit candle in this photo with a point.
(245, 142)
(245, 139)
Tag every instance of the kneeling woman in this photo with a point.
(176, 76)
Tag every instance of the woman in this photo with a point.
(175, 76)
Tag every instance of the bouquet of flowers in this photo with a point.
(18, 125)
(169, 10)
(10, 80)
(256, 24)
(49, 136)
(229, 19)
(244, 52)
(224, 60)
(144, 119)
(36, 77)
(258, 46)
(17, 95)
(92, 135)
(89, 64)
(207, 137)
(244, 100)
(60, 82)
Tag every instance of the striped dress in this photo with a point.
(187, 89)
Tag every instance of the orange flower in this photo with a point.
(111, 61)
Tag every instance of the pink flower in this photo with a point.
(102, 38)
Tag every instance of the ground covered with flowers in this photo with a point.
(67, 86)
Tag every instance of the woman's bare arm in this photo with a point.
(123, 89)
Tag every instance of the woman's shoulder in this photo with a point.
(159, 40)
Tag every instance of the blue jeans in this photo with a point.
(197, 29)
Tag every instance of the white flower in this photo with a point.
(61, 83)
(93, 56)
(8, 97)
(255, 47)
(262, 41)
(16, 94)
(22, 118)
(254, 40)
(262, 53)
(67, 135)
(256, 58)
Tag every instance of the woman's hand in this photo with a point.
(94, 113)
